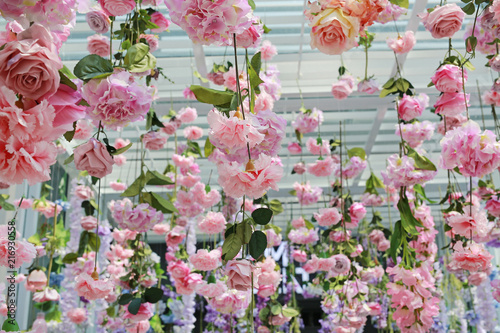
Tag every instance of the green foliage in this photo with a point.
(262, 216)
(212, 96)
(421, 162)
(401, 3)
(139, 59)
(357, 151)
(134, 306)
(153, 295)
(209, 147)
(93, 67)
(372, 183)
(257, 244)
(231, 247)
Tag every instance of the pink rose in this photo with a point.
(175, 236)
(117, 7)
(342, 264)
(77, 316)
(187, 115)
(145, 312)
(152, 41)
(30, 65)
(299, 255)
(239, 273)
(451, 104)
(139, 327)
(94, 158)
(294, 148)
(343, 88)
(299, 168)
(333, 32)
(369, 86)
(98, 44)
(251, 36)
(383, 245)
(84, 192)
(37, 280)
(178, 269)
(266, 290)
(403, 44)
(443, 21)
(410, 107)
(88, 222)
(189, 94)
(98, 21)
(193, 132)
(154, 140)
(161, 21)
(448, 78)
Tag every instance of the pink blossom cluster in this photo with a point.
(485, 30)
(92, 289)
(140, 218)
(377, 237)
(318, 149)
(212, 223)
(193, 202)
(401, 171)
(117, 100)
(372, 200)
(416, 133)
(352, 168)
(251, 37)
(425, 245)
(368, 86)
(308, 121)
(328, 217)
(204, 260)
(335, 265)
(493, 205)
(230, 301)
(22, 252)
(472, 257)
(271, 85)
(306, 194)
(474, 153)
(303, 235)
(336, 25)
(390, 13)
(473, 223)
(322, 167)
(356, 213)
(269, 278)
(412, 297)
(211, 23)
(185, 281)
(492, 96)
(273, 127)
(451, 123)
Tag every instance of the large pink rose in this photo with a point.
(239, 273)
(98, 21)
(94, 158)
(341, 89)
(98, 44)
(117, 7)
(443, 21)
(332, 32)
(30, 66)
(448, 78)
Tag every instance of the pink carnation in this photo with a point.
(328, 217)
(468, 225)
(175, 236)
(308, 121)
(403, 44)
(306, 194)
(321, 168)
(193, 132)
(473, 257)
(267, 50)
(316, 149)
(401, 171)
(211, 290)
(77, 315)
(416, 133)
(83, 130)
(154, 140)
(20, 253)
(203, 260)
(140, 218)
(303, 235)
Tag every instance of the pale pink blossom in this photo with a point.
(328, 217)
(403, 44)
(368, 86)
(294, 148)
(193, 132)
(205, 261)
(239, 273)
(322, 167)
(443, 21)
(267, 50)
(92, 289)
(161, 21)
(451, 104)
(318, 149)
(401, 171)
(306, 194)
(77, 315)
(448, 78)
(303, 235)
(473, 257)
(117, 7)
(415, 133)
(98, 21)
(98, 44)
(410, 107)
(154, 140)
(307, 121)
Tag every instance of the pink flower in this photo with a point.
(451, 123)
(239, 273)
(23, 252)
(376, 236)
(448, 78)
(267, 50)
(469, 225)
(306, 194)
(161, 21)
(328, 217)
(178, 269)
(390, 13)
(403, 44)
(37, 280)
(321, 168)
(117, 99)
(477, 278)
(357, 211)
(254, 183)
(294, 148)
(27, 203)
(152, 41)
(211, 290)
(316, 149)
(145, 312)
(205, 261)
(474, 153)
(98, 44)
(118, 186)
(303, 235)
(189, 94)
(154, 140)
(343, 87)
(140, 218)
(473, 257)
(193, 132)
(412, 107)
(416, 133)
(29, 66)
(451, 104)
(88, 222)
(77, 315)
(117, 7)
(94, 158)
(299, 255)
(138, 327)
(251, 36)
(308, 121)
(369, 86)
(161, 228)
(299, 222)
(266, 290)
(332, 31)
(187, 115)
(443, 21)
(175, 236)
(121, 143)
(273, 239)
(383, 245)
(493, 205)
(46, 295)
(84, 192)
(98, 21)
(351, 169)
(92, 289)
(299, 168)
(401, 171)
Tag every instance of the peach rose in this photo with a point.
(333, 32)
(443, 21)
(93, 157)
(239, 274)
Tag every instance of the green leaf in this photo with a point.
(156, 178)
(231, 247)
(65, 70)
(421, 162)
(136, 53)
(309, 224)
(134, 306)
(136, 187)
(289, 312)
(251, 3)
(94, 242)
(147, 63)
(69, 159)
(244, 231)
(469, 8)
(276, 206)
(256, 62)
(93, 66)
(84, 239)
(408, 221)
(209, 147)
(198, 75)
(162, 204)
(10, 325)
(64, 79)
(357, 151)
(155, 323)
(257, 244)
(401, 3)
(122, 150)
(212, 96)
(276, 309)
(262, 216)
(125, 299)
(153, 295)
(266, 29)
(264, 313)
(396, 240)
(389, 84)
(420, 190)
(70, 258)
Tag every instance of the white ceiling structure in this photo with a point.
(369, 120)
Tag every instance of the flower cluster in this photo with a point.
(401, 171)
